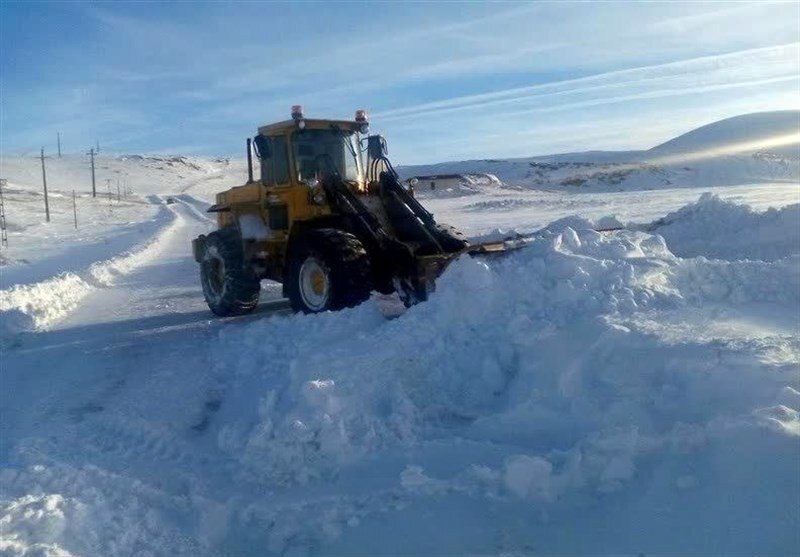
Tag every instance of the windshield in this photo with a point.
(340, 146)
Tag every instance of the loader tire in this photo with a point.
(327, 269)
(229, 286)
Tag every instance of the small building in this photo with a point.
(440, 181)
(453, 183)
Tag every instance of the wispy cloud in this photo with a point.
(443, 80)
(771, 64)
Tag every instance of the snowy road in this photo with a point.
(109, 393)
(150, 321)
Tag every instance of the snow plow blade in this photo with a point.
(502, 246)
(515, 242)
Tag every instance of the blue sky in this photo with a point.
(442, 81)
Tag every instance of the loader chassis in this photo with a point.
(323, 221)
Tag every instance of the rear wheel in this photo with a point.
(229, 287)
(327, 269)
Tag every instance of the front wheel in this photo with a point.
(229, 287)
(328, 269)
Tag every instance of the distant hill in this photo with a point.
(141, 174)
(732, 151)
(745, 132)
(752, 148)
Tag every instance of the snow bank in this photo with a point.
(38, 305)
(90, 511)
(721, 229)
(35, 306)
(542, 363)
(446, 361)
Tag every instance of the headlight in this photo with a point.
(317, 195)
(361, 118)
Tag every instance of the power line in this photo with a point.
(3, 231)
(94, 190)
(44, 184)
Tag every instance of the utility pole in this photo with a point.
(3, 231)
(58, 135)
(94, 190)
(44, 183)
(74, 210)
(98, 145)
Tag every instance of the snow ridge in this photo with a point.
(722, 229)
(39, 305)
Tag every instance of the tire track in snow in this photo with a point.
(197, 207)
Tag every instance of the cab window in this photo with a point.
(274, 157)
(280, 156)
(263, 148)
(340, 149)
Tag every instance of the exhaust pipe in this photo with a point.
(249, 161)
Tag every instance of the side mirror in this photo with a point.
(263, 146)
(413, 182)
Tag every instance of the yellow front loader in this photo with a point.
(328, 217)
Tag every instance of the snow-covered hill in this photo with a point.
(775, 133)
(141, 174)
(753, 148)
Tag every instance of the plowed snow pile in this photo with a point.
(721, 229)
(570, 385)
(39, 304)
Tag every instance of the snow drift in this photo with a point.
(566, 372)
(38, 305)
(722, 229)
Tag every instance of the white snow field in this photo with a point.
(633, 392)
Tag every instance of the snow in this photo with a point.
(37, 249)
(744, 130)
(528, 211)
(721, 229)
(627, 392)
(46, 301)
(753, 148)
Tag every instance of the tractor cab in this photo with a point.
(301, 151)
